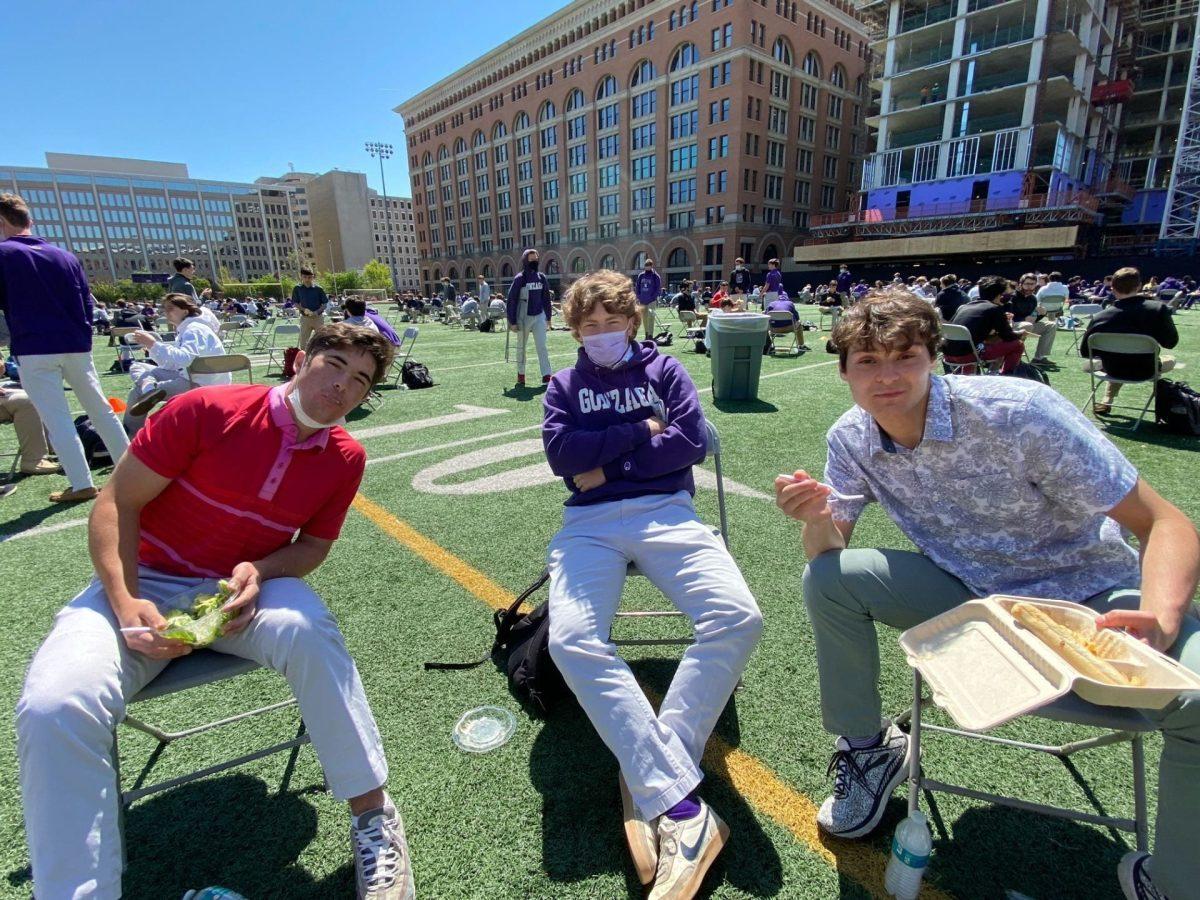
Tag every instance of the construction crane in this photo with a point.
(1180, 231)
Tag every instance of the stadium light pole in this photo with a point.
(385, 151)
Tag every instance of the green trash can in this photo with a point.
(736, 342)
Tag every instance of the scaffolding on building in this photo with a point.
(1180, 230)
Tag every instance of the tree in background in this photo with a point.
(338, 282)
(377, 275)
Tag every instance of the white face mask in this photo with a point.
(303, 417)
(607, 349)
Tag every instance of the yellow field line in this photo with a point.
(752, 779)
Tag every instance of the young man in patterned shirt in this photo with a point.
(969, 468)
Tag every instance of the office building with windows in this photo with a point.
(692, 133)
(995, 131)
(397, 242)
(121, 216)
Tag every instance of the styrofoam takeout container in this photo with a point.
(985, 668)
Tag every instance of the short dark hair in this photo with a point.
(181, 263)
(14, 211)
(341, 336)
(1056, 276)
(305, 270)
(948, 280)
(356, 306)
(1127, 281)
(992, 286)
(887, 319)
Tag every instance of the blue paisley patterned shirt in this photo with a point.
(1008, 490)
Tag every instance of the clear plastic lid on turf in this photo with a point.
(483, 729)
(985, 667)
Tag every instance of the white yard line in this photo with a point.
(450, 446)
(465, 414)
(43, 529)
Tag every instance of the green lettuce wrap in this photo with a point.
(203, 623)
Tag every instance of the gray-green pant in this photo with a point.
(847, 592)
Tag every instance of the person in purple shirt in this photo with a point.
(47, 303)
(772, 283)
(623, 429)
(529, 312)
(782, 303)
(844, 279)
(648, 287)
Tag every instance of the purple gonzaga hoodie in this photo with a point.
(596, 417)
(532, 288)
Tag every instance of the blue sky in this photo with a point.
(236, 89)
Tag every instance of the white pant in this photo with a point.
(659, 755)
(74, 697)
(42, 377)
(535, 325)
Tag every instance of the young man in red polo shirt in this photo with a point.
(249, 483)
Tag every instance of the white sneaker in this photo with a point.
(685, 851)
(641, 835)
(381, 864)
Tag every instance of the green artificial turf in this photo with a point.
(540, 818)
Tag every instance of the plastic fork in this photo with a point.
(833, 492)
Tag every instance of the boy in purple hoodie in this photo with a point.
(623, 428)
(648, 287)
(529, 312)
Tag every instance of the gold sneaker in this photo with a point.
(641, 835)
(685, 851)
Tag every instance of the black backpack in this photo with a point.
(94, 452)
(1032, 373)
(522, 648)
(415, 376)
(1176, 407)
(664, 339)
(487, 325)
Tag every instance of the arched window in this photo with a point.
(487, 270)
(443, 152)
(679, 259)
(547, 112)
(812, 64)
(685, 56)
(644, 73)
(578, 266)
(552, 267)
(782, 51)
(837, 77)
(522, 122)
(575, 99)
(478, 140)
(460, 146)
(437, 273)
(671, 21)
(506, 270)
(469, 274)
(769, 252)
(858, 85)
(500, 131)
(607, 261)
(427, 159)
(639, 260)
(607, 87)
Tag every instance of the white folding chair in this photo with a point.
(263, 338)
(1120, 725)
(1100, 343)
(403, 352)
(1079, 316)
(219, 365)
(782, 325)
(952, 332)
(832, 313)
(714, 450)
(277, 349)
(687, 319)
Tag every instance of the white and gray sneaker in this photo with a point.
(1135, 877)
(863, 780)
(381, 864)
(686, 849)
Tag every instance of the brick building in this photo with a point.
(690, 132)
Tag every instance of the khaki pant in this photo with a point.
(309, 324)
(1165, 364)
(16, 407)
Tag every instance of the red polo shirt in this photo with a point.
(241, 486)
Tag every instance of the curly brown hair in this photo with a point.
(612, 290)
(890, 320)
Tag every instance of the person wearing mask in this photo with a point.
(648, 288)
(528, 309)
(312, 301)
(181, 281)
(990, 327)
(47, 305)
(772, 285)
(1132, 312)
(1025, 307)
(166, 375)
(949, 298)
(449, 294)
(740, 281)
(484, 293)
(627, 465)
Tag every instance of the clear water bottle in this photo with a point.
(213, 893)
(910, 855)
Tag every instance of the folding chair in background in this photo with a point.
(263, 338)
(952, 332)
(687, 319)
(782, 325)
(275, 352)
(220, 365)
(1080, 316)
(403, 352)
(1100, 343)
